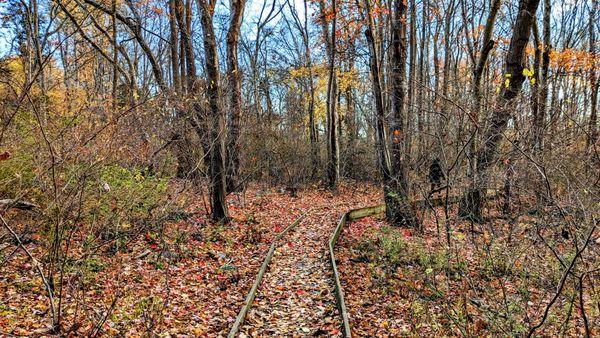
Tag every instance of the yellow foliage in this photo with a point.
(528, 72)
(320, 73)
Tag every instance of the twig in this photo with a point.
(563, 279)
(38, 268)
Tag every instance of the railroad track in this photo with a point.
(351, 215)
(241, 317)
(291, 294)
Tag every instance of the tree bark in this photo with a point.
(174, 47)
(115, 50)
(235, 99)
(333, 153)
(213, 90)
(420, 93)
(593, 123)
(312, 128)
(398, 210)
(488, 152)
(380, 132)
(543, 82)
(350, 118)
(535, 91)
(183, 16)
(410, 119)
(487, 44)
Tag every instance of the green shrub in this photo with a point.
(497, 262)
(16, 174)
(126, 195)
(394, 248)
(398, 250)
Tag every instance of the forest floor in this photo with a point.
(495, 280)
(296, 297)
(188, 276)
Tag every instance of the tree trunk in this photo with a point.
(535, 91)
(410, 119)
(487, 44)
(136, 30)
(399, 211)
(183, 16)
(422, 83)
(488, 152)
(174, 47)
(213, 90)
(543, 80)
(540, 91)
(235, 100)
(312, 128)
(187, 85)
(350, 118)
(380, 132)
(115, 50)
(444, 114)
(593, 123)
(333, 154)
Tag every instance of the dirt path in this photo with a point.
(296, 297)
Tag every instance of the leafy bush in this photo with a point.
(394, 248)
(16, 174)
(126, 195)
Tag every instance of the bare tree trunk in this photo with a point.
(174, 46)
(543, 81)
(399, 211)
(421, 91)
(539, 94)
(185, 163)
(444, 114)
(188, 89)
(213, 89)
(535, 90)
(183, 16)
(333, 153)
(487, 45)
(312, 128)
(235, 100)
(37, 44)
(593, 123)
(488, 152)
(115, 50)
(179, 15)
(136, 30)
(410, 119)
(380, 132)
(350, 118)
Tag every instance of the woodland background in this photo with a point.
(174, 136)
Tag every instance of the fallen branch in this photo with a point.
(16, 204)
